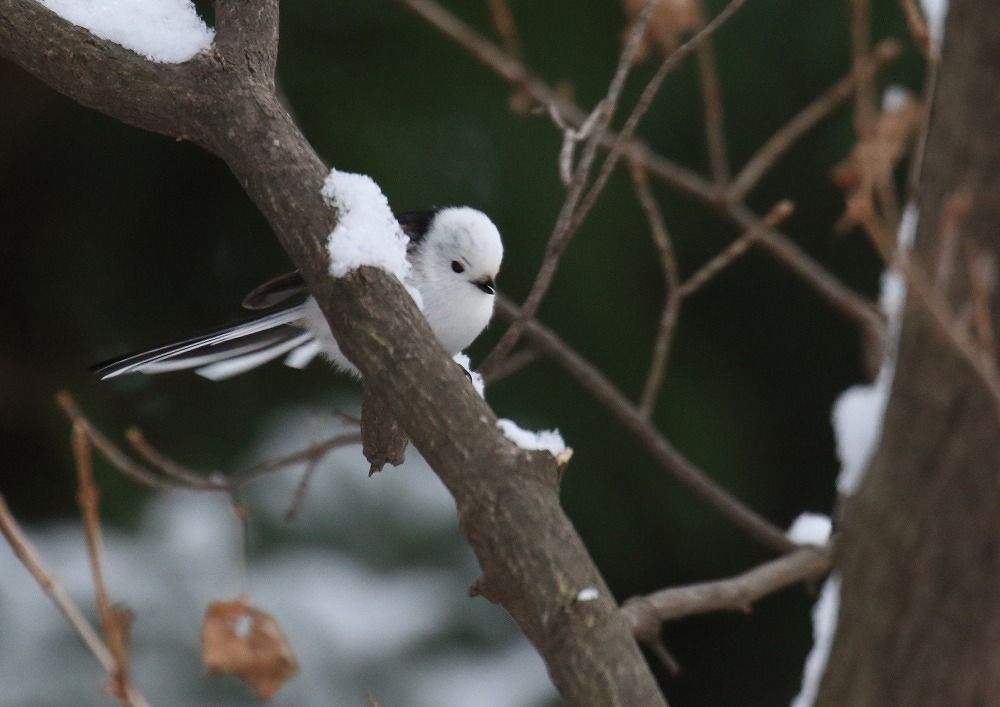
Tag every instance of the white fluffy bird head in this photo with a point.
(455, 266)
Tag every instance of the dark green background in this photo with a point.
(115, 239)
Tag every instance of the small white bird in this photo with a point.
(454, 255)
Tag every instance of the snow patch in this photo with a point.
(544, 440)
(858, 411)
(935, 11)
(474, 376)
(367, 233)
(895, 98)
(810, 529)
(824, 627)
(164, 31)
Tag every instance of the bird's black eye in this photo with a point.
(457, 267)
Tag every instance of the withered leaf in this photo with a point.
(670, 21)
(241, 640)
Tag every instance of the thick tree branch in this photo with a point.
(533, 561)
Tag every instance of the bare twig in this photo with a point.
(953, 214)
(778, 213)
(673, 297)
(953, 330)
(865, 99)
(848, 302)
(711, 95)
(506, 28)
(665, 453)
(173, 475)
(512, 364)
(32, 561)
(572, 136)
(982, 267)
(180, 476)
(647, 613)
(776, 145)
(312, 454)
(917, 25)
(569, 218)
(115, 620)
(298, 498)
(112, 453)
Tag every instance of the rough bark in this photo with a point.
(533, 561)
(919, 550)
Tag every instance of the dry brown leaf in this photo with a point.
(872, 160)
(670, 21)
(239, 639)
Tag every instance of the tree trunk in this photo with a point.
(919, 553)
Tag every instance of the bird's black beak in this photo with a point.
(487, 285)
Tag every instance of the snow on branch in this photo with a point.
(366, 233)
(810, 529)
(164, 31)
(544, 440)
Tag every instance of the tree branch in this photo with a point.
(738, 593)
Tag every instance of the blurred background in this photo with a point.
(116, 239)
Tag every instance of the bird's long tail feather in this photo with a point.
(223, 353)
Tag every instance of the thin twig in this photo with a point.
(506, 28)
(512, 364)
(173, 475)
(182, 476)
(982, 269)
(849, 303)
(711, 95)
(917, 25)
(299, 497)
(778, 213)
(572, 136)
(32, 561)
(665, 453)
(569, 218)
(953, 213)
(672, 299)
(114, 620)
(790, 133)
(865, 99)
(313, 453)
(647, 613)
(112, 453)
(981, 359)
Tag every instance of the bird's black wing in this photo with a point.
(416, 223)
(275, 290)
(265, 296)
